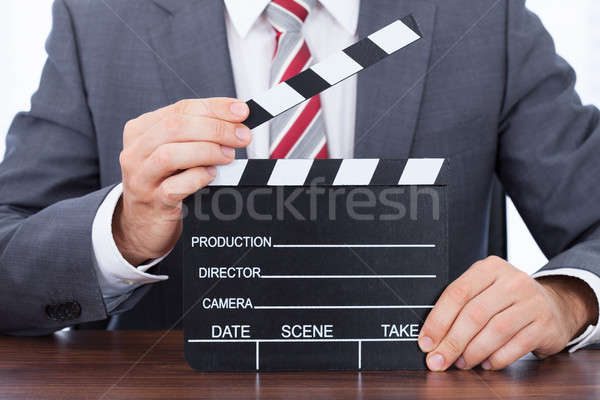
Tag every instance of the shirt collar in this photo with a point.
(244, 13)
(345, 13)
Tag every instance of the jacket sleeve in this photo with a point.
(549, 160)
(49, 195)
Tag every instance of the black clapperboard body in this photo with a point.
(314, 265)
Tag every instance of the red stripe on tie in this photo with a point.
(322, 153)
(293, 7)
(277, 36)
(297, 64)
(298, 128)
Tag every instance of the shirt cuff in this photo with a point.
(592, 332)
(116, 276)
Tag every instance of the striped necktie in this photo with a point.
(299, 132)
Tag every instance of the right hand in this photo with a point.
(167, 155)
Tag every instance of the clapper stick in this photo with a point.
(332, 70)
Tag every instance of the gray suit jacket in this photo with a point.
(483, 88)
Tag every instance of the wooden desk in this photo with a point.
(150, 365)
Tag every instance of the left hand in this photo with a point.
(494, 314)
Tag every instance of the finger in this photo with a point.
(138, 126)
(177, 187)
(227, 109)
(189, 128)
(519, 345)
(476, 279)
(172, 157)
(224, 108)
(470, 320)
(501, 328)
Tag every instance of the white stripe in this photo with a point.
(285, 10)
(279, 99)
(336, 68)
(304, 5)
(319, 147)
(257, 355)
(277, 27)
(297, 111)
(312, 122)
(290, 172)
(355, 172)
(229, 175)
(293, 53)
(309, 61)
(359, 354)
(394, 37)
(421, 171)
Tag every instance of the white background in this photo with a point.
(574, 24)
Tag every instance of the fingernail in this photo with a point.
(460, 363)
(228, 151)
(212, 171)
(426, 344)
(436, 362)
(486, 365)
(239, 109)
(243, 133)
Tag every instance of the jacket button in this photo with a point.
(73, 310)
(51, 312)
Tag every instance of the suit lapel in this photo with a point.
(389, 93)
(192, 51)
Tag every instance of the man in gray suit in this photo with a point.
(483, 88)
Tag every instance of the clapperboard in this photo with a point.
(315, 264)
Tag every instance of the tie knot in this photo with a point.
(288, 15)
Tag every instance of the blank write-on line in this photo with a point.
(348, 277)
(352, 307)
(355, 245)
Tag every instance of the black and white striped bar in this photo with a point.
(334, 172)
(332, 70)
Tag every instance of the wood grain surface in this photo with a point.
(151, 365)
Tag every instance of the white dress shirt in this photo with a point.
(330, 27)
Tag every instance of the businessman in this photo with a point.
(137, 105)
